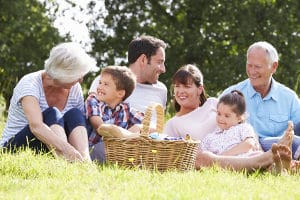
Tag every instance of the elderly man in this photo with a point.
(270, 105)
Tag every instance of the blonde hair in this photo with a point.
(68, 62)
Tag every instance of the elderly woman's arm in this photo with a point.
(54, 137)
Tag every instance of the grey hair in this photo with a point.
(68, 62)
(270, 50)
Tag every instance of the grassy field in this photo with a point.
(28, 176)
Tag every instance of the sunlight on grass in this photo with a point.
(25, 175)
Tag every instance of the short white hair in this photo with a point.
(270, 50)
(68, 62)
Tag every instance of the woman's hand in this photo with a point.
(52, 138)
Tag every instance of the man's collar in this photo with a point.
(271, 94)
(146, 83)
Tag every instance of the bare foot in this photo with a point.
(111, 130)
(276, 157)
(285, 157)
(288, 135)
(295, 167)
(204, 159)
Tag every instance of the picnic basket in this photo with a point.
(147, 153)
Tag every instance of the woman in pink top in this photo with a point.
(196, 116)
(191, 103)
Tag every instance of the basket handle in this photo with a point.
(147, 119)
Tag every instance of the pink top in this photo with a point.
(197, 123)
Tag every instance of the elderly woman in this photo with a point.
(47, 106)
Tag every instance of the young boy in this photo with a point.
(108, 107)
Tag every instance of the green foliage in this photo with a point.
(297, 87)
(26, 38)
(212, 34)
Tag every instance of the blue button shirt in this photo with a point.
(269, 115)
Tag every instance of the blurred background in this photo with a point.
(213, 34)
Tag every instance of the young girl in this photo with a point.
(233, 136)
(196, 116)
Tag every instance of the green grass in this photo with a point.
(28, 176)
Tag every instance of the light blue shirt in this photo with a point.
(269, 115)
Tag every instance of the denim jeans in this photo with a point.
(25, 138)
(266, 143)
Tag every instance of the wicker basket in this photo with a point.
(148, 153)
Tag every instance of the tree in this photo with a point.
(212, 34)
(26, 37)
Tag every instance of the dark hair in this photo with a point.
(185, 75)
(123, 78)
(236, 100)
(147, 45)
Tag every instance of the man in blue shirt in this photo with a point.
(270, 105)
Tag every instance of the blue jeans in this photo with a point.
(266, 143)
(297, 129)
(25, 138)
(97, 152)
